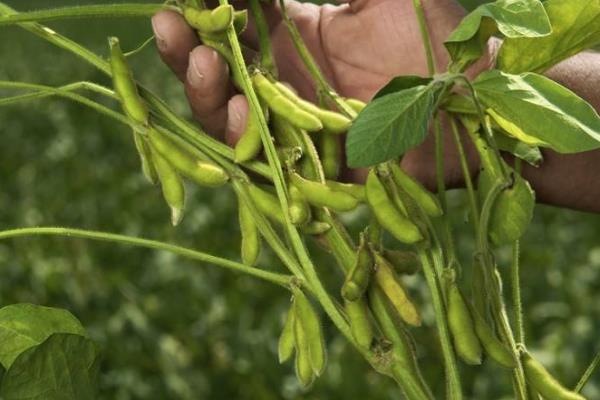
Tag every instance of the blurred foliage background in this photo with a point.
(174, 329)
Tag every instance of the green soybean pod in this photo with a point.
(316, 228)
(303, 365)
(283, 106)
(320, 195)
(357, 280)
(394, 290)
(285, 134)
(330, 154)
(172, 187)
(250, 235)
(250, 144)
(355, 190)
(360, 324)
(267, 203)
(125, 87)
(145, 153)
(333, 122)
(493, 347)
(311, 325)
(424, 198)
(240, 21)
(210, 22)
(286, 344)
(355, 104)
(544, 382)
(462, 328)
(298, 208)
(388, 216)
(404, 261)
(202, 172)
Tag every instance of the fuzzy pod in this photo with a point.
(283, 106)
(355, 190)
(360, 323)
(287, 344)
(202, 172)
(462, 327)
(330, 153)
(240, 21)
(316, 228)
(124, 84)
(303, 365)
(394, 290)
(250, 143)
(145, 153)
(172, 187)
(355, 104)
(357, 280)
(404, 261)
(493, 347)
(543, 382)
(210, 22)
(308, 319)
(333, 122)
(250, 236)
(388, 216)
(320, 195)
(298, 208)
(423, 197)
(267, 203)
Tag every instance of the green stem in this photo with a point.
(516, 294)
(450, 366)
(587, 374)
(267, 61)
(279, 279)
(418, 7)
(88, 11)
(313, 68)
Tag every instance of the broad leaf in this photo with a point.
(513, 18)
(391, 125)
(576, 27)
(25, 325)
(400, 83)
(63, 367)
(539, 111)
(530, 154)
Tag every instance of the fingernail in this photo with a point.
(156, 27)
(195, 76)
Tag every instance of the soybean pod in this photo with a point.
(404, 261)
(321, 195)
(267, 203)
(250, 143)
(172, 187)
(283, 106)
(394, 290)
(424, 198)
(125, 87)
(310, 323)
(330, 154)
(250, 235)
(202, 172)
(145, 153)
(298, 208)
(355, 190)
(210, 22)
(303, 366)
(462, 328)
(358, 278)
(360, 324)
(286, 344)
(493, 347)
(542, 381)
(355, 104)
(388, 216)
(333, 122)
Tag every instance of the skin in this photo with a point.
(359, 46)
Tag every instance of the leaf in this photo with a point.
(531, 107)
(576, 27)
(391, 125)
(63, 367)
(530, 154)
(400, 83)
(25, 325)
(513, 18)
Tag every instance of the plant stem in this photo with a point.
(433, 281)
(516, 281)
(267, 61)
(88, 11)
(587, 374)
(279, 279)
(418, 7)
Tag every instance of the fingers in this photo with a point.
(237, 117)
(175, 40)
(208, 88)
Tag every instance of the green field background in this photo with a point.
(174, 329)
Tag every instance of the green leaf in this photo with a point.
(539, 111)
(530, 154)
(391, 125)
(513, 18)
(63, 367)
(576, 27)
(25, 325)
(400, 83)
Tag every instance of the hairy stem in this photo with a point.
(587, 374)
